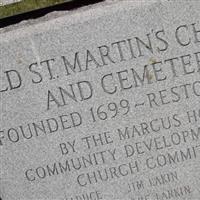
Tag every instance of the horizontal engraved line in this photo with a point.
(139, 104)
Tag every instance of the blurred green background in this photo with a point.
(27, 5)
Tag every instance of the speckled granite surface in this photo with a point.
(102, 103)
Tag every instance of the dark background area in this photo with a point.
(41, 12)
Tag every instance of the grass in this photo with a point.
(26, 5)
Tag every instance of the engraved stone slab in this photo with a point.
(102, 103)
